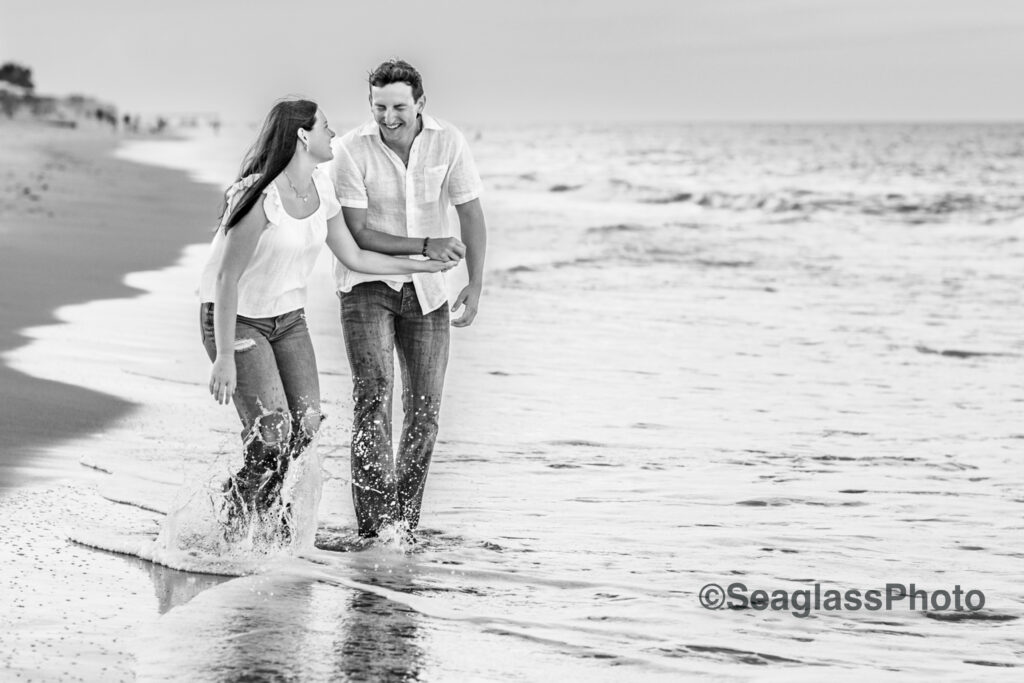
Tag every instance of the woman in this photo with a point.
(277, 216)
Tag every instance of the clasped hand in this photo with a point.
(446, 249)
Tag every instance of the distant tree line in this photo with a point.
(19, 99)
(18, 75)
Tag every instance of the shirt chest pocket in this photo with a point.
(433, 181)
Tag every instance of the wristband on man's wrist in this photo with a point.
(426, 240)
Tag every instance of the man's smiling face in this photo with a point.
(395, 111)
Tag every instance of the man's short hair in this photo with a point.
(397, 71)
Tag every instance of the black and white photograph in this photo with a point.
(538, 341)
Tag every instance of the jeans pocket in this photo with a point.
(205, 320)
(293, 321)
(206, 333)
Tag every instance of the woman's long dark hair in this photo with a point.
(271, 152)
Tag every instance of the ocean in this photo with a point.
(787, 357)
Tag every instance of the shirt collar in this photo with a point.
(429, 123)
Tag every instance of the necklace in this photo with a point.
(303, 197)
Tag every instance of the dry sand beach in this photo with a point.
(776, 355)
(74, 221)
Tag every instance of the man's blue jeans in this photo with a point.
(377, 322)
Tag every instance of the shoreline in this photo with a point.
(806, 444)
(70, 208)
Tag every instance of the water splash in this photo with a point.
(201, 525)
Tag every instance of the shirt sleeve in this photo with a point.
(272, 205)
(233, 195)
(348, 179)
(464, 183)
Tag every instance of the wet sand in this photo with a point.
(69, 213)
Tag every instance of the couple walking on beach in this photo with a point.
(386, 197)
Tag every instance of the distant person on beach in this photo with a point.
(396, 177)
(276, 219)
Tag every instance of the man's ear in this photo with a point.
(421, 103)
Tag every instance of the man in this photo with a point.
(396, 178)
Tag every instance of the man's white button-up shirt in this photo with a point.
(410, 202)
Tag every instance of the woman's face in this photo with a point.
(320, 139)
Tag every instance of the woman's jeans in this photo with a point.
(377, 321)
(277, 396)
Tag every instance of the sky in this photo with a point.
(537, 60)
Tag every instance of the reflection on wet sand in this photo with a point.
(276, 626)
(379, 640)
(174, 588)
